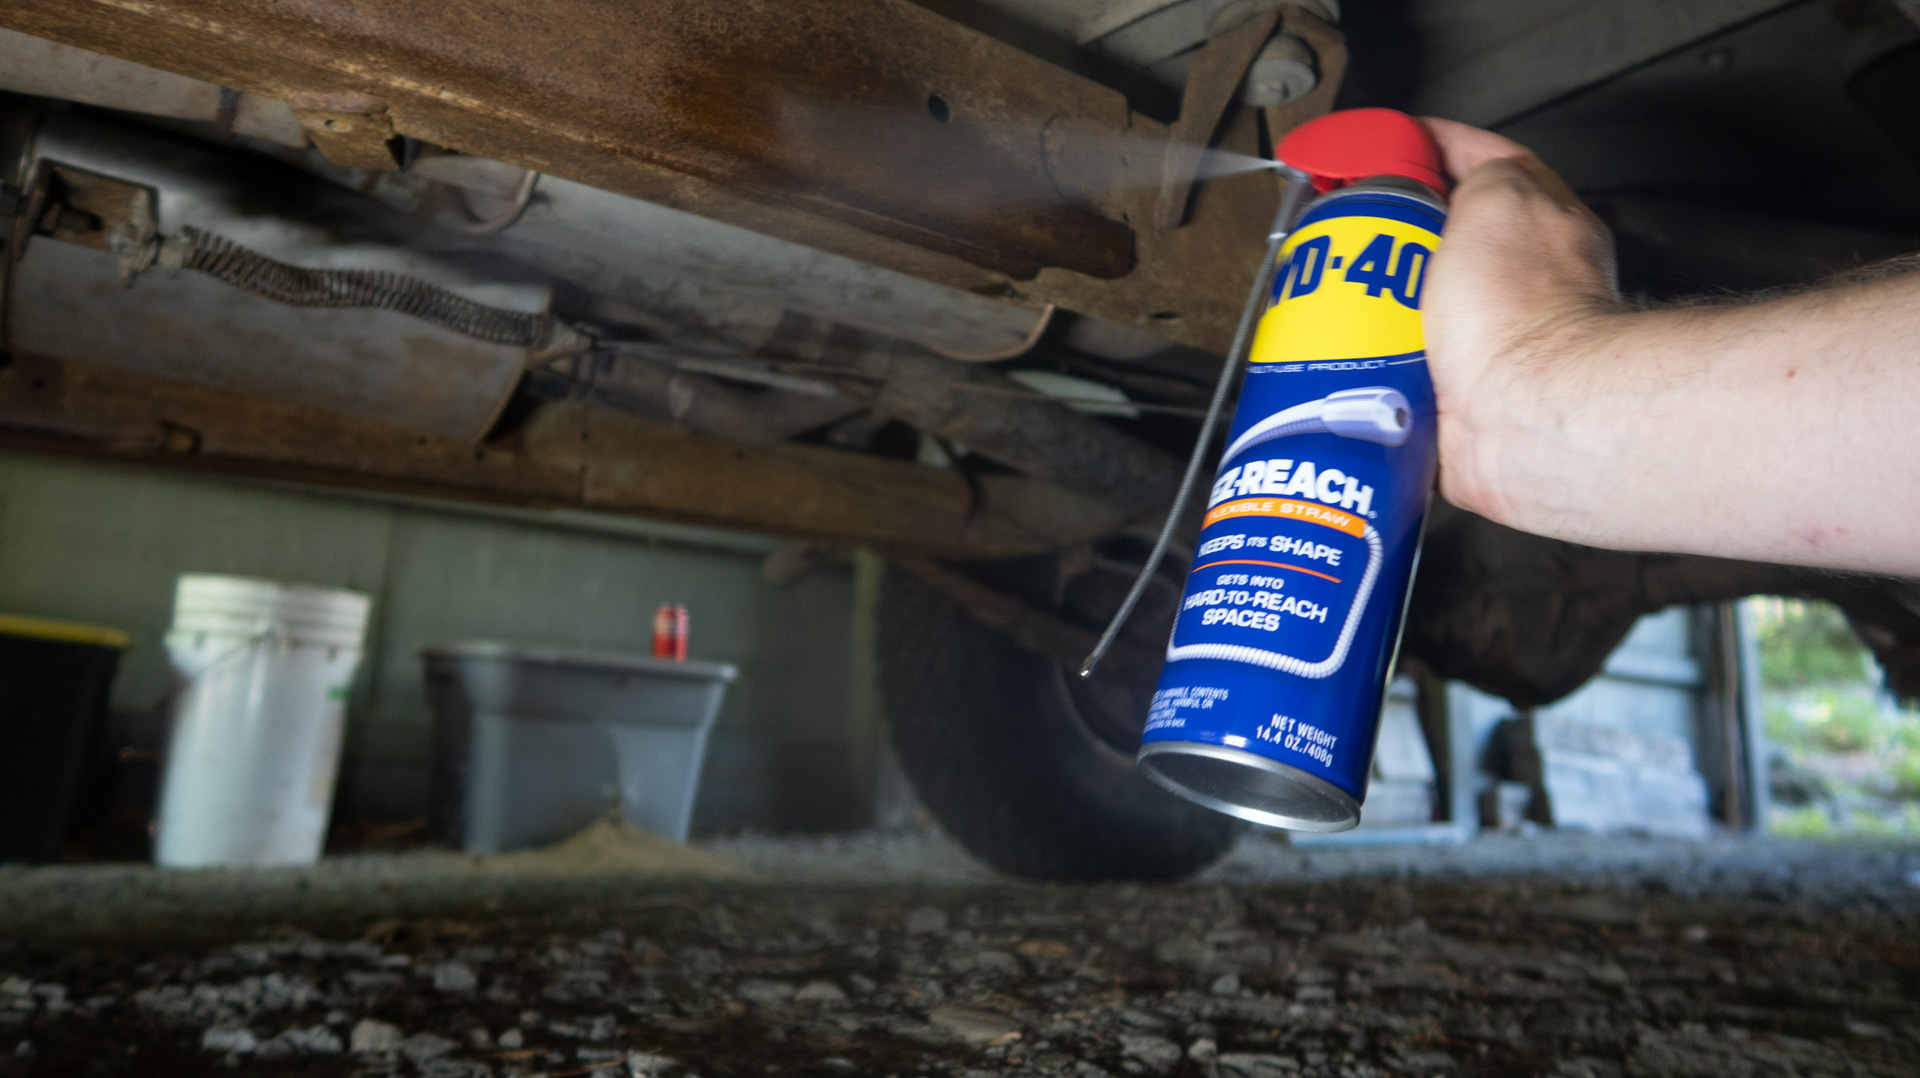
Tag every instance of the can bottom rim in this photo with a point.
(1249, 786)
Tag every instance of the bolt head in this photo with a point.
(1276, 82)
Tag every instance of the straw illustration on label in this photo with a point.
(1377, 414)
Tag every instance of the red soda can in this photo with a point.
(670, 632)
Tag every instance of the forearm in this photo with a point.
(1783, 430)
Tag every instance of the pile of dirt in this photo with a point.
(611, 846)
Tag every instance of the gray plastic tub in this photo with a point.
(533, 743)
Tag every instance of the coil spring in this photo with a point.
(274, 280)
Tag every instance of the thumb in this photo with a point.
(1464, 148)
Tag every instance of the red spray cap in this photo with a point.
(1354, 144)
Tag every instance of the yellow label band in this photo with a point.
(1348, 288)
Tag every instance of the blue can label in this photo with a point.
(1292, 612)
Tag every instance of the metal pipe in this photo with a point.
(517, 204)
(1020, 348)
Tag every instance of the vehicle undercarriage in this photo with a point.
(950, 281)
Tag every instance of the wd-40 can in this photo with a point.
(1270, 700)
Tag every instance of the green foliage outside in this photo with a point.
(1847, 718)
(1847, 762)
(1815, 821)
(1804, 644)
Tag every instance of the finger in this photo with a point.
(1550, 182)
(1464, 148)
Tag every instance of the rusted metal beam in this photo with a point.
(871, 128)
(1042, 438)
(566, 455)
(687, 400)
(825, 105)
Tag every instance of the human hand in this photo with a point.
(1513, 298)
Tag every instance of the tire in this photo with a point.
(1005, 756)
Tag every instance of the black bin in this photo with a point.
(54, 679)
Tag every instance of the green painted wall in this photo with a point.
(102, 543)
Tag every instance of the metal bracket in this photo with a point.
(74, 205)
(1214, 80)
(349, 130)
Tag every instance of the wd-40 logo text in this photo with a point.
(1283, 478)
(1383, 267)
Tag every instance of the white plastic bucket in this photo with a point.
(264, 670)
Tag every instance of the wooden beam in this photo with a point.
(874, 129)
(567, 455)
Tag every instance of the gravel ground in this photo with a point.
(1726, 866)
(880, 955)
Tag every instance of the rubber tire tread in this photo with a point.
(996, 753)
